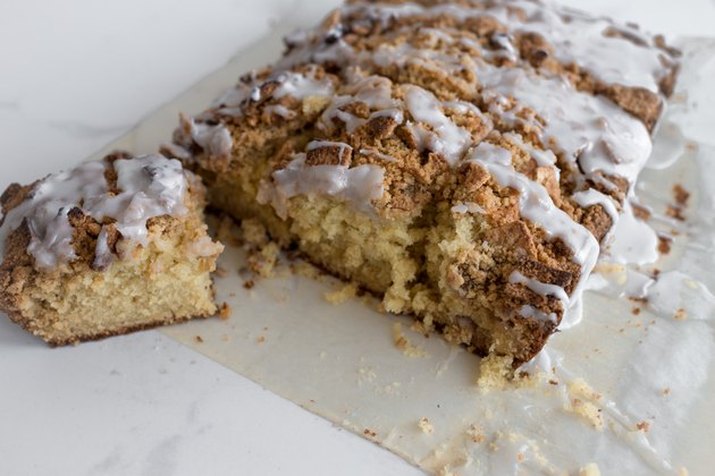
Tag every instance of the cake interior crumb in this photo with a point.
(425, 425)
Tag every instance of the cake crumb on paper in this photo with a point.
(581, 403)
(224, 312)
(425, 425)
(475, 434)
(199, 339)
(680, 315)
(445, 471)
(345, 293)
(643, 426)
(590, 469)
(404, 344)
(495, 372)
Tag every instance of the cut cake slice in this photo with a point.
(110, 247)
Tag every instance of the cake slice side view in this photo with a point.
(465, 160)
(110, 247)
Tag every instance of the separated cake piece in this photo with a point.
(466, 160)
(110, 247)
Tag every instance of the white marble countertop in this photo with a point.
(75, 75)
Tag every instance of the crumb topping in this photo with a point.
(110, 200)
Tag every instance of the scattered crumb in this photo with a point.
(392, 389)
(641, 212)
(680, 315)
(420, 328)
(366, 374)
(221, 272)
(254, 233)
(345, 293)
(582, 403)
(636, 311)
(445, 471)
(369, 433)
(643, 426)
(224, 312)
(249, 284)
(402, 343)
(475, 434)
(261, 339)
(590, 469)
(303, 268)
(666, 391)
(664, 245)
(680, 195)
(425, 425)
(495, 372)
(262, 261)
(199, 339)
(675, 212)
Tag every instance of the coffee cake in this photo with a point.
(466, 160)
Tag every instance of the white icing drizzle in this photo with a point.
(530, 312)
(301, 86)
(469, 207)
(444, 137)
(319, 144)
(492, 153)
(375, 91)
(591, 197)
(589, 129)
(542, 289)
(150, 186)
(215, 140)
(358, 186)
(281, 110)
(543, 158)
(579, 40)
(634, 241)
(377, 154)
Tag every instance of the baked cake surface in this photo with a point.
(107, 248)
(465, 159)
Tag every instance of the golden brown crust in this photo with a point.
(27, 324)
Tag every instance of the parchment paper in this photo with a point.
(629, 393)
